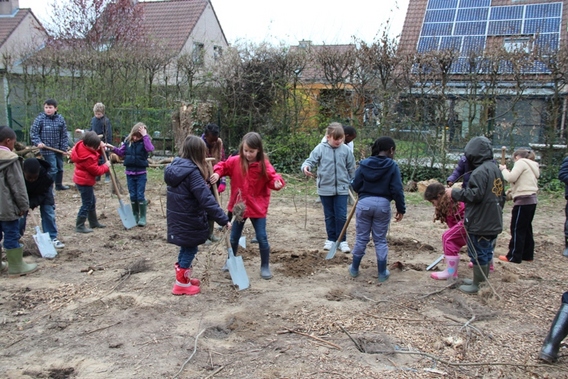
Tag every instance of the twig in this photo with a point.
(472, 319)
(103, 328)
(310, 336)
(191, 356)
(357, 345)
(453, 284)
(214, 372)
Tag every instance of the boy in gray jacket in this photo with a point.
(335, 168)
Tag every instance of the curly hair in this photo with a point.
(446, 205)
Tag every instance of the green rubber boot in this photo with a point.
(478, 278)
(16, 265)
(142, 206)
(135, 210)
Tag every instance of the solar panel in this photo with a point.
(427, 44)
(437, 29)
(514, 12)
(473, 45)
(504, 28)
(474, 3)
(446, 15)
(541, 25)
(544, 10)
(450, 43)
(472, 14)
(546, 43)
(470, 28)
(442, 4)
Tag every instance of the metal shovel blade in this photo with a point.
(438, 260)
(237, 271)
(332, 250)
(243, 242)
(44, 244)
(126, 215)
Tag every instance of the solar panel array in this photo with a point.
(464, 25)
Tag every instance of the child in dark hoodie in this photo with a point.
(484, 199)
(378, 182)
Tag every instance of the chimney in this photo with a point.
(9, 7)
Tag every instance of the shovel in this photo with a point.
(235, 265)
(43, 240)
(333, 249)
(435, 263)
(124, 210)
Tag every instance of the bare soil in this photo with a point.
(103, 307)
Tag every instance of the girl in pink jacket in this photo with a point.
(252, 179)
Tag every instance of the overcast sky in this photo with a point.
(289, 21)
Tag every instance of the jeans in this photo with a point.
(186, 255)
(335, 213)
(373, 216)
(259, 225)
(481, 247)
(136, 187)
(56, 162)
(88, 201)
(566, 224)
(11, 232)
(47, 221)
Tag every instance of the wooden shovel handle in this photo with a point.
(349, 217)
(112, 178)
(503, 152)
(54, 149)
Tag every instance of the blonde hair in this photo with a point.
(99, 107)
(194, 149)
(135, 131)
(335, 131)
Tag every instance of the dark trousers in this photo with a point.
(521, 246)
(566, 224)
(88, 200)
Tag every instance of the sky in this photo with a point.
(290, 21)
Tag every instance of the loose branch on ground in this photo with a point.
(103, 328)
(191, 356)
(310, 336)
(357, 345)
(453, 284)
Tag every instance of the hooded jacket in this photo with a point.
(484, 196)
(189, 204)
(40, 192)
(335, 168)
(563, 176)
(380, 176)
(13, 195)
(87, 166)
(251, 188)
(523, 177)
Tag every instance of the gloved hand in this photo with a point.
(221, 187)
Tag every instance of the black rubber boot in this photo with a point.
(80, 225)
(565, 253)
(93, 222)
(59, 182)
(558, 331)
(264, 264)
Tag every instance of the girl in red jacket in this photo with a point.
(85, 155)
(252, 179)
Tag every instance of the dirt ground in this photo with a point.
(103, 307)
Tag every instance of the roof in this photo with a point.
(172, 21)
(8, 24)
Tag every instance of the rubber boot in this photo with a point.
(93, 222)
(80, 225)
(491, 267)
(142, 206)
(451, 271)
(354, 266)
(193, 281)
(59, 182)
(183, 284)
(478, 278)
(383, 272)
(565, 253)
(135, 210)
(212, 236)
(264, 265)
(16, 265)
(558, 330)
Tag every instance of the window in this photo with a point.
(217, 53)
(198, 53)
(517, 44)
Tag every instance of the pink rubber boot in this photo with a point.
(193, 281)
(451, 270)
(183, 285)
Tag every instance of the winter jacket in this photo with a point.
(189, 204)
(40, 191)
(250, 188)
(13, 195)
(563, 176)
(51, 131)
(452, 219)
(135, 154)
(523, 177)
(102, 126)
(380, 176)
(484, 196)
(335, 168)
(87, 166)
(461, 170)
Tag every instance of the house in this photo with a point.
(499, 56)
(20, 34)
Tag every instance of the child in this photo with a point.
(336, 165)
(378, 182)
(39, 189)
(452, 213)
(462, 170)
(484, 198)
(214, 150)
(189, 205)
(563, 177)
(252, 178)
(524, 186)
(135, 151)
(100, 124)
(49, 130)
(13, 204)
(85, 154)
